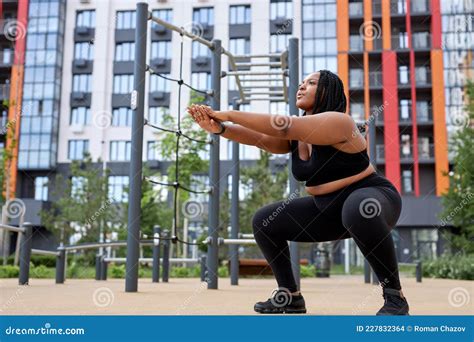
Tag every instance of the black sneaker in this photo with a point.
(395, 303)
(282, 301)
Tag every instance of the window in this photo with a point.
(85, 19)
(357, 111)
(77, 149)
(405, 110)
(239, 14)
(120, 150)
(155, 115)
(244, 191)
(162, 190)
(41, 188)
(246, 152)
(200, 50)
(281, 9)
(239, 46)
(201, 80)
(117, 185)
(122, 117)
(77, 186)
(407, 180)
(84, 51)
(153, 152)
(81, 83)
(161, 49)
(158, 83)
(123, 84)
(278, 42)
(204, 15)
(163, 14)
(422, 111)
(124, 52)
(125, 20)
(80, 116)
(356, 77)
(405, 146)
(403, 75)
(279, 107)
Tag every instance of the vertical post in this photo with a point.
(366, 272)
(294, 75)
(234, 210)
(25, 253)
(103, 267)
(166, 256)
(61, 266)
(97, 266)
(203, 268)
(347, 266)
(137, 105)
(213, 221)
(419, 271)
(155, 278)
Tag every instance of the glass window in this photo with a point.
(85, 18)
(77, 149)
(158, 83)
(199, 183)
(239, 14)
(124, 52)
(153, 152)
(239, 46)
(163, 14)
(120, 150)
(122, 117)
(407, 181)
(123, 84)
(80, 116)
(125, 20)
(83, 51)
(204, 15)
(155, 115)
(201, 80)
(162, 49)
(200, 50)
(41, 188)
(81, 83)
(117, 187)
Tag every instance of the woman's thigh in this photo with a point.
(297, 220)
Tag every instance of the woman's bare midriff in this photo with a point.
(326, 188)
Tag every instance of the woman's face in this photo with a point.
(306, 94)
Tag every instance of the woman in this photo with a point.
(348, 198)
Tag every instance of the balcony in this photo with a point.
(380, 152)
(356, 43)
(5, 91)
(420, 6)
(421, 40)
(425, 152)
(375, 79)
(356, 9)
(422, 76)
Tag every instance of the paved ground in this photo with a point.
(338, 295)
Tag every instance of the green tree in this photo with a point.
(458, 201)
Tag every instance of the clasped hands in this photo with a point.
(207, 118)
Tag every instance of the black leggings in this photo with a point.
(366, 211)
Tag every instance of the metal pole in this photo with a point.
(61, 266)
(103, 267)
(166, 256)
(137, 105)
(156, 255)
(366, 272)
(234, 210)
(97, 267)
(25, 253)
(294, 74)
(419, 272)
(213, 221)
(347, 267)
(203, 268)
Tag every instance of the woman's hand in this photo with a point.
(216, 115)
(203, 119)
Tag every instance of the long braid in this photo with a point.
(329, 94)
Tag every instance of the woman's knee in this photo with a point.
(263, 219)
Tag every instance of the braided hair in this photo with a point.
(330, 96)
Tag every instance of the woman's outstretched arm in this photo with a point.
(326, 128)
(239, 133)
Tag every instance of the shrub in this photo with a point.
(450, 267)
(9, 271)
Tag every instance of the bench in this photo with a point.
(258, 266)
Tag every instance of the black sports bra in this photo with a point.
(326, 164)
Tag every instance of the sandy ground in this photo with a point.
(338, 295)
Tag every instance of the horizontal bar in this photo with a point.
(180, 30)
(407, 263)
(270, 64)
(103, 244)
(237, 242)
(44, 252)
(246, 236)
(261, 80)
(255, 73)
(259, 86)
(264, 99)
(12, 228)
(264, 93)
(270, 55)
(172, 260)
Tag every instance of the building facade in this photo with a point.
(404, 64)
